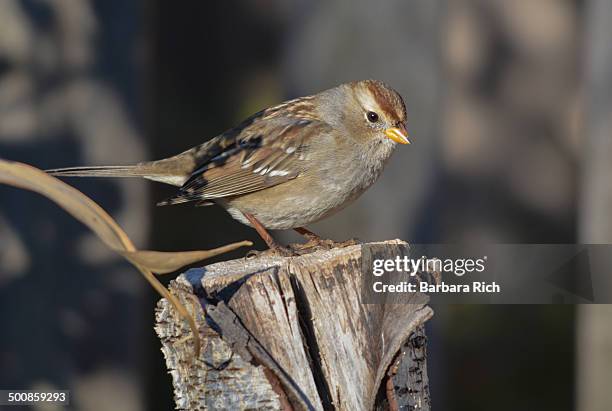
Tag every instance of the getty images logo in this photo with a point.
(412, 266)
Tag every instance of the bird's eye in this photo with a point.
(372, 117)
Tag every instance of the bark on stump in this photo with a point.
(283, 333)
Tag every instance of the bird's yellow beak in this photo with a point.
(398, 134)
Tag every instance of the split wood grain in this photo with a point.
(293, 333)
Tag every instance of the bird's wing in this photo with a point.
(259, 154)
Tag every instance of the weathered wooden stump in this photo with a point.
(284, 333)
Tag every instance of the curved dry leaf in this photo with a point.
(163, 262)
(100, 222)
(69, 198)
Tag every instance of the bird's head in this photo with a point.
(374, 111)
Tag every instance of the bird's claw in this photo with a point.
(277, 251)
(294, 250)
(318, 243)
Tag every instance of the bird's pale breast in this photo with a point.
(317, 193)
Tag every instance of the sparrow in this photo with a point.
(286, 166)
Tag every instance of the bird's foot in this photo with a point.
(294, 250)
(281, 251)
(347, 243)
(316, 243)
(276, 251)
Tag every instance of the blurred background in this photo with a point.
(510, 114)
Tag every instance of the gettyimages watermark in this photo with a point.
(417, 268)
(487, 274)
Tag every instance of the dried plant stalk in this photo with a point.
(106, 228)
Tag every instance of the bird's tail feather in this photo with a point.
(151, 171)
(98, 171)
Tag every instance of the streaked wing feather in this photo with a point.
(257, 160)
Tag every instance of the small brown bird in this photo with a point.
(286, 166)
